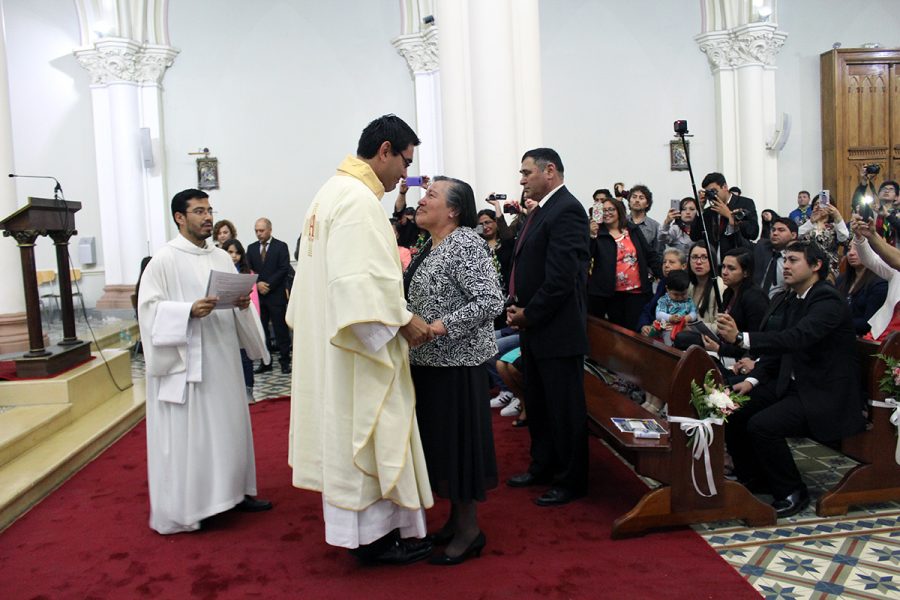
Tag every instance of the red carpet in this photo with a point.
(90, 539)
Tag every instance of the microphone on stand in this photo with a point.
(57, 190)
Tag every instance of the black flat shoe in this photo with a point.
(262, 368)
(402, 552)
(790, 506)
(251, 504)
(556, 497)
(526, 480)
(474, 549)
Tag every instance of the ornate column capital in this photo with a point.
(420, 50)
(113, 60)
(754, 44)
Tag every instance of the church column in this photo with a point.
(126, 96)
(742, 61)
(420, 50)
(13, 327)
(490, 85)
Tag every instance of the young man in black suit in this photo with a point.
(548, 305)
(730, 219)
(271, 260)
(768, 256)
(806, 382)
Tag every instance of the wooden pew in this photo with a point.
(666, 373)
(877, 479)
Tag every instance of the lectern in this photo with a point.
(56, 219)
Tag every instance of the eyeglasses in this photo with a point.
(700, 258)
(406, 161)
(201, 211)
(609, 211)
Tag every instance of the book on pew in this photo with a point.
(645, 428)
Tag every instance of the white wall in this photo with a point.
(279, 91)
(616, 76)
(812, 27)
(52, 120)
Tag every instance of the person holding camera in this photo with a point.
(407, 230)
(731, 220)
(827, 228)
(675, 231)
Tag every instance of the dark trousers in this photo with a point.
(247, 366)
(766, 427)
(276, 314)
(557, 418)
(622, 308)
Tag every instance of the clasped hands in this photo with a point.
(202, 307)
(418, 331)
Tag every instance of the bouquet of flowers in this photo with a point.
(713, 400)
(890, 381)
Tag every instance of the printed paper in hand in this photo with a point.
(229, 287)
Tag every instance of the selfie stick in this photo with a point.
(681, 130)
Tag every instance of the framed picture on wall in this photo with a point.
(677, 156)
(208, 173)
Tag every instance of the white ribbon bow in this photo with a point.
(702, 432)
(895, 419)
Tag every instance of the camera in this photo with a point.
(511, 208)
(680, 127)
(872, 169)
(493, 197)
(709, 195)
(739, 214)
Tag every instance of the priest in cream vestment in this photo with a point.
(200, 458)
(353, 432)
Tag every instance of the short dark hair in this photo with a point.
(543, 156)
(604, 191)
(388, 128)
(677, 281)
(744, 259)
(181, 199)
(892, 184)
(803, 192)
(787, 222)
(461, 198)
(716, 178)
(487, 212)
(224, 223)
(644, 190)
(811, 253)
(735, 190)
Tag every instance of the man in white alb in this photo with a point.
(199, 443)
(354, 435)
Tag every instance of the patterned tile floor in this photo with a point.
(856, 556)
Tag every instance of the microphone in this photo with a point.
(57, 190)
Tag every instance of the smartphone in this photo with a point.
(824, 198)
(597, 212)
(675, 204)
(414, 181)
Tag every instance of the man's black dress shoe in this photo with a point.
(790, 506)
(251, 504)
(526, 480)
(286, 369)
(474, 549)
(556, 496)
(263, 368)
(402, 552)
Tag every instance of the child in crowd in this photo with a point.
(676, 306)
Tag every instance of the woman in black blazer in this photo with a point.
(743, 300)
(622, 268)
(864, 290)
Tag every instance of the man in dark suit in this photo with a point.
(548, 305)
(271, 260)
(806, 382)
(768, 256)
(730, 219)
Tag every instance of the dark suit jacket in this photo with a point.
(745, 231)
(865, 301)
(604, 252)
(747, 311)
(274, 271)
(550, 268)
(818, 346)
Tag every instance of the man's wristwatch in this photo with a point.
(739, 339)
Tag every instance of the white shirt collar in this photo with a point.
(547, 197)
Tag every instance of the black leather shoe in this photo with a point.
(262, 368)
(286, 369)
(474, 549)
(403, 552)
(556, 497)
(251, 504)
(526, 480)
(790, 506)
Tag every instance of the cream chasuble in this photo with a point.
(199, 444)
(353, 434)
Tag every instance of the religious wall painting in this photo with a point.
(208, 173)
(677, 155)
